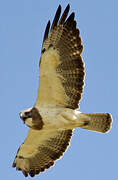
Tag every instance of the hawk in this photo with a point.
(55, 114)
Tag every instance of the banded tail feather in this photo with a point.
(100, 122)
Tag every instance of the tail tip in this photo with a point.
(108, 123)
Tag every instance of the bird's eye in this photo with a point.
(27, 113)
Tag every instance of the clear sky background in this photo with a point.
(91, 156)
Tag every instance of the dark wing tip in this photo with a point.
(64, 15)
(46, 31)
(68, 6)
(25, 173)
(32, 173)
(14, 165)
(71, 17)
(56, 18)
(59, 7)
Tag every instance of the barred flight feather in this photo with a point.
(65, 43)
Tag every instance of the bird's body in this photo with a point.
(55, 113)
(64, 118)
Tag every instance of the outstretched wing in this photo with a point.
(61, 66)
(40, 150)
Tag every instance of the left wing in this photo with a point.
(61, 66)
(40, 150)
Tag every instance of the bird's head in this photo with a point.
(32, 118)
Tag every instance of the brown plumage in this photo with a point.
(70, 70)
(64, 40)
(46, 152)
(54, 114)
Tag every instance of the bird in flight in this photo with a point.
(55, 113)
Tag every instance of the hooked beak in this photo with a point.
(23, 118)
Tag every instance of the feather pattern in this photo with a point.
(61, 51)
(61, 84)
(40, 150)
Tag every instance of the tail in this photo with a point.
(100, 122)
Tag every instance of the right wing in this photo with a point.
(40, 150)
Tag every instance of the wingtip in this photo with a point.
(56, 18)
(14, 165)
(48, 24)
(25, 173)
(70, 18)
(59, 7)
(46, 31)
(68, 6)
(73, 14)
(64, 15)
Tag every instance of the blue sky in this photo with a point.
(91, 156)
